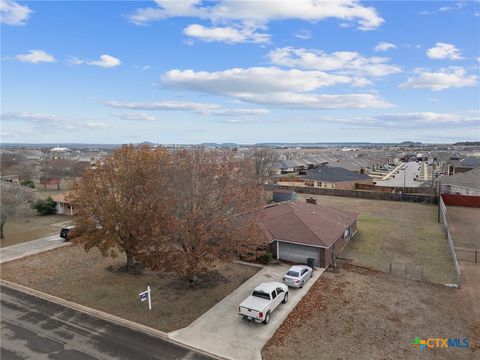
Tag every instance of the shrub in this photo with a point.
(28, 183)
(266, 258)
(45, 207)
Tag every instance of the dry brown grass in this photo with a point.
(32, 227)
(363, 314)
(402, 233)
(464, 226)
(91, 280)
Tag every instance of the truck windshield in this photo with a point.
(261, 294)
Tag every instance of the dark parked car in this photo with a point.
(64, 233)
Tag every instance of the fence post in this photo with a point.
(390, 268)
(476, 256)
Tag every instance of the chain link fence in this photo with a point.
(408, 271)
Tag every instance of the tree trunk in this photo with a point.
(130, 261)
(58, 184)
(2, 222)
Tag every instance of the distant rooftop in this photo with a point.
(334, 174)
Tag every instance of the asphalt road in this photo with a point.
(33, 328)
(404, 177)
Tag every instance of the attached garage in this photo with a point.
(297, 231)
(297, 253)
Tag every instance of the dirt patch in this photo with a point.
(403, 234)
(72, 274)
(32, 227)
(365, 314)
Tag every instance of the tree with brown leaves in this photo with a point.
(116, 204)
(213, 209)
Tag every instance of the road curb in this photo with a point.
(104, 316)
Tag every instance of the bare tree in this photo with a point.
(213, 210)
(12, 196)
(263, 161)
(59, 169)
(115, 204)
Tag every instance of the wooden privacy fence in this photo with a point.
(443, 221)
(374, 195)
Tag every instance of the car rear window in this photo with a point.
(261, 294)
(292, 273)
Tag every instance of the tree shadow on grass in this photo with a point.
(206, 280)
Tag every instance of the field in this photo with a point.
(375, 316)
(464, 226)
(31, 227)
(403, 234)
(94, 281)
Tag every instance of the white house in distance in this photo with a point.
(62, 153)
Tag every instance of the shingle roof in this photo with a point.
(334, 174)
(470, 161)
(469, 179)
(304, 223)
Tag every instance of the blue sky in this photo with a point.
(246, 72)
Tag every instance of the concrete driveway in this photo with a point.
(28, 248)
(222, 332)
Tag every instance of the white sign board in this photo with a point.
(144, 296)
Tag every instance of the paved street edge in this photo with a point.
(103, 315)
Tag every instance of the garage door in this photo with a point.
(298, 253)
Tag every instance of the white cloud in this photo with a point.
(30, 116)
(12, 13)
(226, 34)
(303, 34)
(260, 13)
(105, 61)
(452, 77)
(412, 120)
(239, 112)
(384, 46)
(199, 108)
(429, 118)
(346, 62)
(51, 122)
(456, 6)
(255, 79)
(274, 86)
(444, 51)
(316, 101)
(73, 60)
(135, 116)
(35, 56)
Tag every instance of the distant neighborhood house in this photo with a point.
(64, 207)
(465, 183)
(328, 177)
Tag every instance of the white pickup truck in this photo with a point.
(264, 299)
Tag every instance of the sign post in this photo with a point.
(144, 296)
